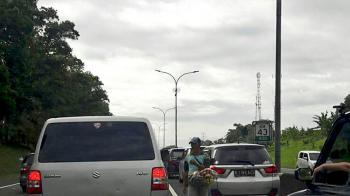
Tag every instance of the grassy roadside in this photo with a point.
(289, 151)
(9, 163)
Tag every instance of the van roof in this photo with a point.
(95, 118)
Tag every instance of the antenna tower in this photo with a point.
(258, 99)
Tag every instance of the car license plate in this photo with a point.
(245, 172)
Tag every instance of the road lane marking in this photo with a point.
(173, 193)
(9, 186)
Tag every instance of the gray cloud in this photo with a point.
(228, 43)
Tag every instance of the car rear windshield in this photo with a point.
(96, 141)
(242, 155)
(177, 153)
(314, 156)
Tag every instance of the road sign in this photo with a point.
(263, 131)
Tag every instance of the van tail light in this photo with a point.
(218, 170)
(34, 182)
(271, 170)
(159, 179)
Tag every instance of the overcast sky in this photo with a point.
(228, 41)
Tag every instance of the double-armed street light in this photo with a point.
(176, 91)
(164, 113)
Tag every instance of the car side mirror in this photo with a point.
(21, 159)
(303, 174)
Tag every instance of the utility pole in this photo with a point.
(278, 87)
(258, 98)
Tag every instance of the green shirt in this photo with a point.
(191, 167)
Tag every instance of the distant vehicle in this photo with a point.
(164, 154)
(307, 159)
(182, 162)
(102, 155)
(175, 156)
(243, 169)
(26, 163)
(335, 149)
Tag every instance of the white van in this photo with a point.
(102, 155)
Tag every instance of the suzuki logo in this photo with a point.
(96, 174)
(141, 173)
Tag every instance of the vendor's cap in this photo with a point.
(195, 140)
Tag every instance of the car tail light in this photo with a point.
(34, 182)
(273, 192)
(159, 179)
(271, 170)
(24, 170)
(215, 192)
(218, 170)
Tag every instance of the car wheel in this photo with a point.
(24, 189)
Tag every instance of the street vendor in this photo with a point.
(194, 162)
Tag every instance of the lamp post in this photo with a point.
(164, 113)
(176, 82)
(158, 133)
(278, 87)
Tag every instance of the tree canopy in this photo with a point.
(40, 78)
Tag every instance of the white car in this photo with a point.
(243, 169)
(103, 155)
(307, 159)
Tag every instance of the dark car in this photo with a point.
(175, 156)
(24, 169)
(335, 149)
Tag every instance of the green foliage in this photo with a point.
(207, 143)
(39, 76)
(324, 122)
(220, 141)
(10, 159)
(290, 152)
(241, 133)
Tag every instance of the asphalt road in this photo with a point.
(11, 190)
(177, 187)
(288, 185)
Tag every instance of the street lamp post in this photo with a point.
(278, 87)
(164, 113)
(176, 82)
(158, 132)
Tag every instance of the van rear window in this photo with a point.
(96, 141)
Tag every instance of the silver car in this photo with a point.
(97, 156)
(243, 169)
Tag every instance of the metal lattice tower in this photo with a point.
(258, 99)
